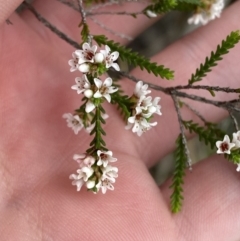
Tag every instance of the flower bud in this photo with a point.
(88, 93)
(90, 184)
(99, 57)
(151, 14)
(84, 68)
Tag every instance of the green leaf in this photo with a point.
(179, 173)
(163, 6)
(124, 103)
(209, 134)
(216, 56)
(85, 33)
(97, 143)
(134, 58)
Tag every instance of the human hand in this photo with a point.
(37, 200)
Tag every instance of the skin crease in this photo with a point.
(37, 201)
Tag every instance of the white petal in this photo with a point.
(97, 95)
(98, 83)
(78, 156)
(131, 119)
(226, 139)
(108, 82)
(107, 49)
(67, 115)
(107, 97)
(86, 46)
(115, 66)
(114, 55)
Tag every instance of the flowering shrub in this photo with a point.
(97, 57)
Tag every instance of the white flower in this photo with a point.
(85, 172)
(144, 102)
(110, 173)
(138, 123)
(106, 184)
(110, 58)
(104, 88)
(77, 181)
(151, 14)
(84, 160)
(83, 175)
(74, 62)
(107, 179)
(148, 107)
(238, 168)
(105, 157)
(141, 89)
(156, 106)
(87, 53)
(82, 84)
(236, 139)
(74, 122)
(197, 18)
(89, 106)
(210, 12)
(224, 146)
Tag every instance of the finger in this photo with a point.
(7, 7)
(212, 202)
(185, 56)
(67, 20)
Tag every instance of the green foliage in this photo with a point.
(97, 143)
(123, 102)
(209, 134)
(179, 173)
(234, 156)
(85, 33)
(135, 59)
(90, 2)
(162, 6)
(210, 62)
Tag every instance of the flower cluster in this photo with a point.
(95, 172)
(143, 109)
(94, 91)
(212, 9)
(88, 60)
(228, 147)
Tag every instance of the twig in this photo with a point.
(234, 120)
(205, 87)
(51, 27)
(121, 35)
(184, 140)
(195, 112)
(82, 11)
(223, 104)
(133, 14)
(69, 4)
